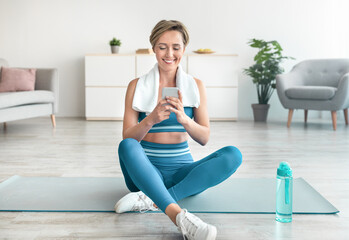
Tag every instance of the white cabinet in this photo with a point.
(109, 70)
(106, 80)
(220, 76)
(107, 77)
(144, 64)
(105, 103)
(214, 70)
(222, 103)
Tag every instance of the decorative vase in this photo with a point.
(260, 112)
(114, 49)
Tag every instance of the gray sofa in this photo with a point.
(42, 101)
(321, 84)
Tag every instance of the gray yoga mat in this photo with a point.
(90, 194)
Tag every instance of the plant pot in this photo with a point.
(114, 49)
(260, 112)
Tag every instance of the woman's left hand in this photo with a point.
(178, 108)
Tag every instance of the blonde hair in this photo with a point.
(168, 25)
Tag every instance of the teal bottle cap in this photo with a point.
(284, 170)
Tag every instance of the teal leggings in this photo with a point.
(167, 173)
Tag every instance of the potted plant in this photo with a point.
(263, 73)
(115, 44)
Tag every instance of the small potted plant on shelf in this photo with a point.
(115, 44)
(263, 73)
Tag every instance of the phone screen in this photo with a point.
(169, 92)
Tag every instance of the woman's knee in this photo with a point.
(232, 157)
(127, 144)
(128, 149)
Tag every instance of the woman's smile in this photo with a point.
(169, 61)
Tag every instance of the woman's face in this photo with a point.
(169, 50)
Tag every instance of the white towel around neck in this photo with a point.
(146, 94)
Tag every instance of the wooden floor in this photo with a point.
(78, 148)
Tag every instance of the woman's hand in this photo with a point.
(161, 112)
(177, 108)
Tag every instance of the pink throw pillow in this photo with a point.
(16, 79)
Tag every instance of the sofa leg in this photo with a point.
(346, 116)
(53, 119)
(290, 113)
(305, 116)
(334, 119)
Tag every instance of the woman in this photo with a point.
(154, 155)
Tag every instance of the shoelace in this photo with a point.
(142, 205)
(191, 229)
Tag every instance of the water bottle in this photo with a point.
(284, 192)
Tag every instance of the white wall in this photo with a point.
(47, 33)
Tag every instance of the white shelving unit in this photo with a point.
(107, 77)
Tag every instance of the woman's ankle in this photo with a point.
(172, 210)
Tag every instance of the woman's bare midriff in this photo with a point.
(166, 137)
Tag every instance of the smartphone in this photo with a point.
(169, 92)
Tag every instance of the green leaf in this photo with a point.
(266, 67)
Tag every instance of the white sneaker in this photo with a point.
(135, 201)
(193, 228)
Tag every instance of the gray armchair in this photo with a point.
(27, 104)
(316, 85)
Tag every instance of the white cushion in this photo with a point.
(12, 99)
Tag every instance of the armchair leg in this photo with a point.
(334, 119)
(53, 119)
(305, 116)
(346, 116)
(290, 113)
(5, 125)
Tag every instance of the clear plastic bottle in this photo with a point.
(284, 193)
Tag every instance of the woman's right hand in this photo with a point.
(161, 112)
